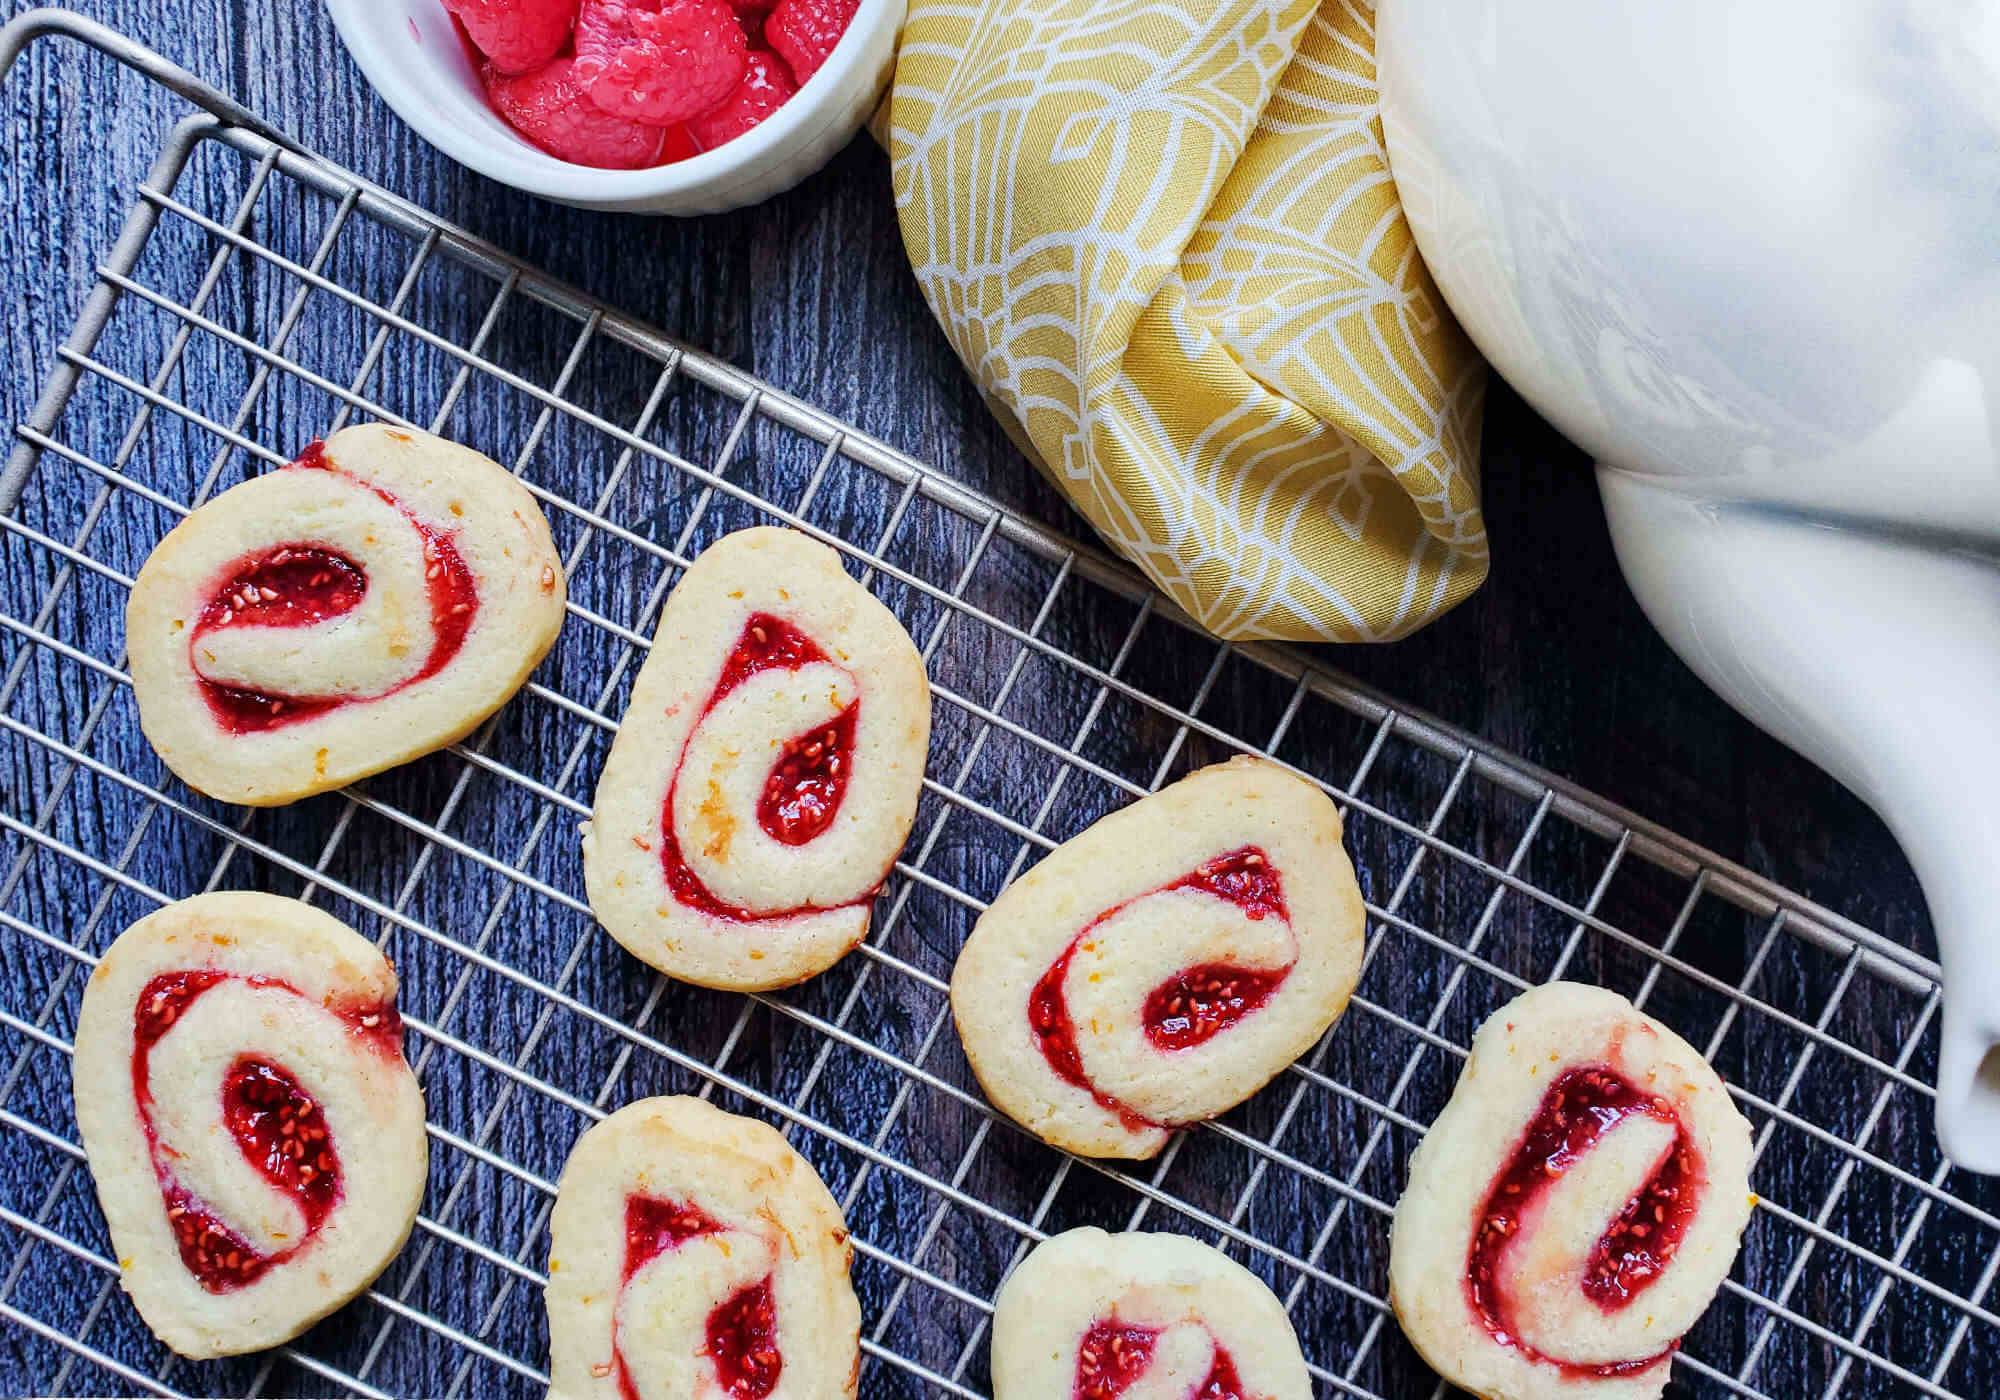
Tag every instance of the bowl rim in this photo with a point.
(369, 27)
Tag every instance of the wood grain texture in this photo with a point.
(1550, 660)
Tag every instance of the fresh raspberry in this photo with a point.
(548, 107)
(680, 144)
(764, 88)
(805, 31)
(517, 36)
(656, 63)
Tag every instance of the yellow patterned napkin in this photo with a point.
(1163, 237)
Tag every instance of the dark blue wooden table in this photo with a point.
(811, 292)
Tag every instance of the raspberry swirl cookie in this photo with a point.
(1161, 966)
(1574, 1208)
(766, 773)
(1091, 1316)
(257, 1140)
(373, 601)
(693, 1253)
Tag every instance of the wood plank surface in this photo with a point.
(1550, 660)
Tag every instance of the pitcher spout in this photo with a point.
(1875, 651)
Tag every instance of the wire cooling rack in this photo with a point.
(257, 295)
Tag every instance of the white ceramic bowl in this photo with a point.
(412, 54)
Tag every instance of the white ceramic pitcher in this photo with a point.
(1747, 254)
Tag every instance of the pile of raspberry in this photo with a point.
(624, 84)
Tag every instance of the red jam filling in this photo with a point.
(280, 1130)
(767, 644)
(743, 1343)
(805, 788)
(742, 1330)
(1193, 1006)
(1111, 1358)
(803, 793)
(1048, 1015)
(161, 1004)
(218, 1257)
(1243, 877)
(300, 583)
(1223, 1383)
(654, 1226)
(291, 586)
(1114, 1355)
(1577, 1110)
(276, 1125)
(1187, 1009)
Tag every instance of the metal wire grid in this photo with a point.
(257, 295)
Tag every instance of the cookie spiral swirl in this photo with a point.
(1094, 1316)
(1161, 966)
(766, 772)
(693, 1252)
(372, 601)
(1575, 1206)
(256, 1137)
